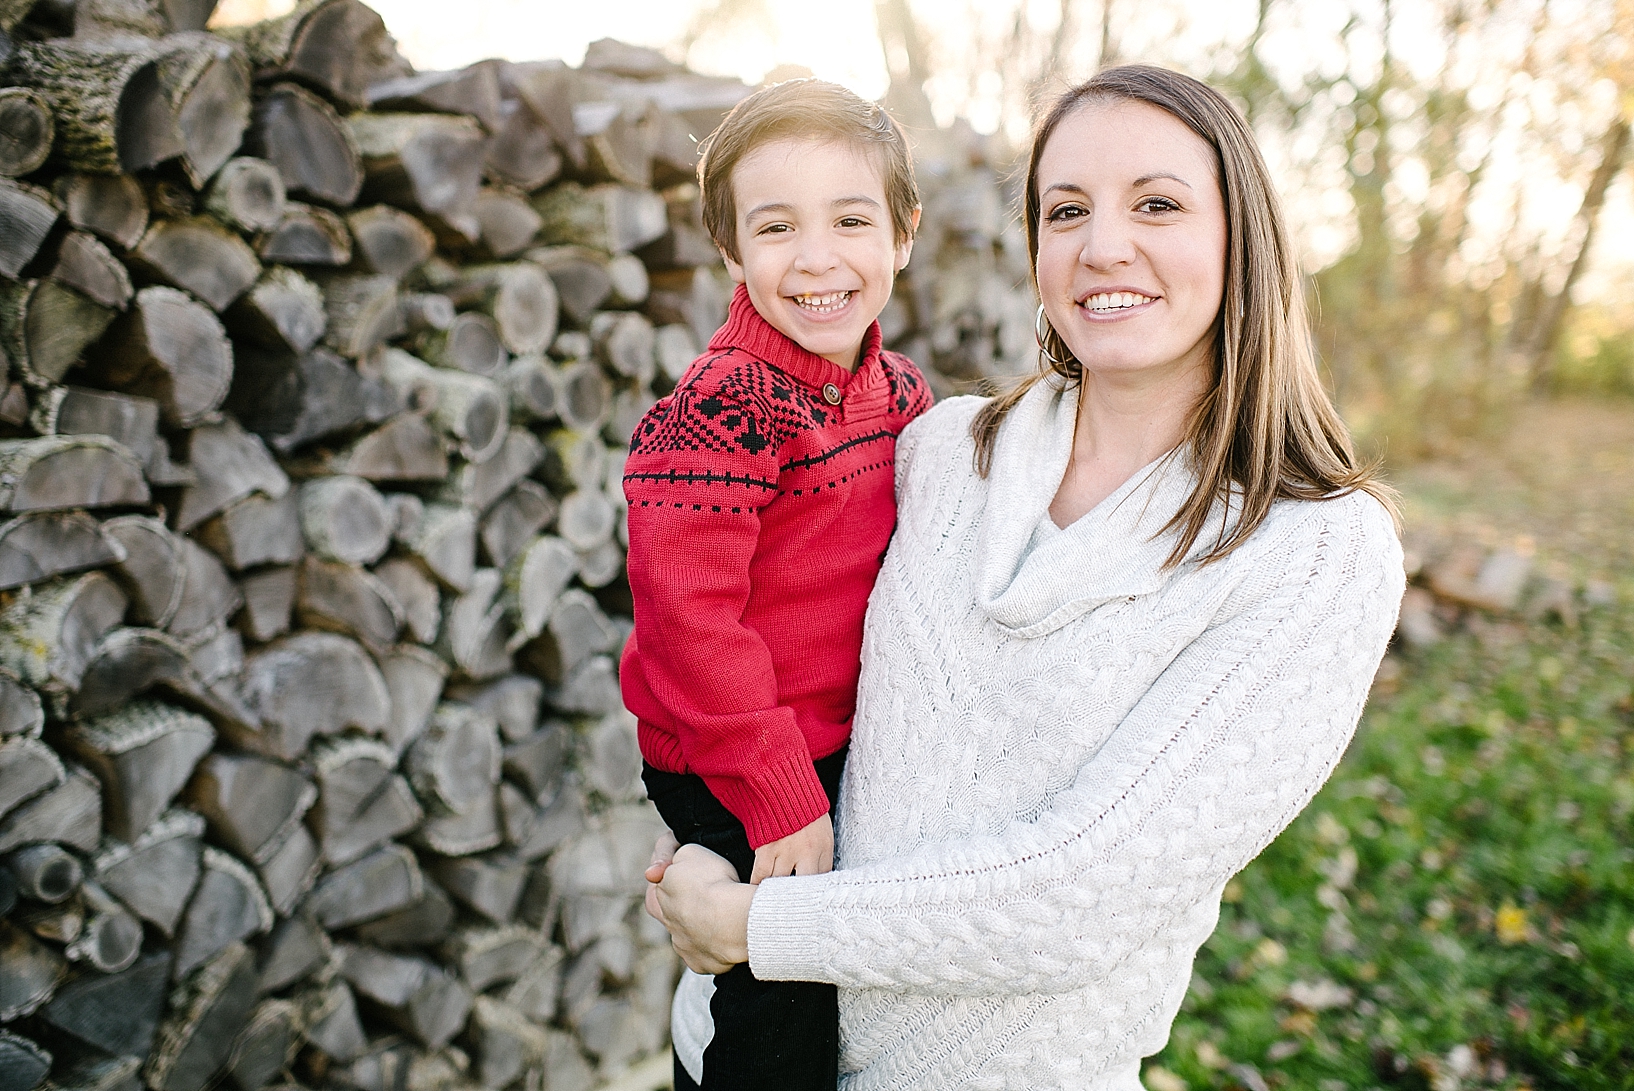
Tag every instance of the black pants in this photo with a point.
(779, 1035)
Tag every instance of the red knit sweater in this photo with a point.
(760, 508)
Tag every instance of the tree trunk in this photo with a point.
(171, 349)
(303, 136)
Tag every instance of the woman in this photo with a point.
(1123, 633)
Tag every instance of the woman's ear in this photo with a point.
(904, 247)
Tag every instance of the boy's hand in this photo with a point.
(807, 851)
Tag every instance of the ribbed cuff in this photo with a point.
(774, 800)
(785, 928)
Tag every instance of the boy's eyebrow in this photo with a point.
(785, 207)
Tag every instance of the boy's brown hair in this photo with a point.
(804, 109)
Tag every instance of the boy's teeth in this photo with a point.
(1115, 301)
(822, 304)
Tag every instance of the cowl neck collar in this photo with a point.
(1115, 550)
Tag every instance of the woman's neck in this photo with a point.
(1124, 423)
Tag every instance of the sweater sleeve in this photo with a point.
(696, 481)
(1212, 763)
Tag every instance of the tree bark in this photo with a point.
(47, 638)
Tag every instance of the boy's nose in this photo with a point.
(815, 254)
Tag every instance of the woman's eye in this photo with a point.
(1157, 204)
(1066, 212)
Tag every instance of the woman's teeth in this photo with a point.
(824, 304)
(1116, 301)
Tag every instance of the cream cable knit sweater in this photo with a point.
(1060, 756)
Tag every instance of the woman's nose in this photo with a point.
(1107, 242)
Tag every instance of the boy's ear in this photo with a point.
(732, 267)
(904, 247)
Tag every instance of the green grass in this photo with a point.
(1463, 888)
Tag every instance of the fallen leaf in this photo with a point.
(1319, 995)
(1511, 924)
(1158, 1078)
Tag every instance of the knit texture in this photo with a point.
(1061, 755)
(759, 512)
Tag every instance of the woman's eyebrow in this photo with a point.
(1147, 179)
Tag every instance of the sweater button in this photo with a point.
(831, 394)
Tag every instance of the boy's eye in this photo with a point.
(853, 221)
(771, 229)
(1156, 204)
(1062, 213)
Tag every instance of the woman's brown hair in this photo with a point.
(1266, 429)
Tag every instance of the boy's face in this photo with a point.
(818, 252)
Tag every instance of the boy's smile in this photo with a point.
(818, 252)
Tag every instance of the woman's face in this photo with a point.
(1131, 240)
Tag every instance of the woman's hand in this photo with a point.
(699, 900)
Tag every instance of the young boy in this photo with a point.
(761, 503)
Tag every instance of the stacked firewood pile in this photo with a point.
(313, 767)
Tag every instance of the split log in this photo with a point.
(284, 310)
(478, 486)
(610, 1031)
(266, 1045)
(518, 295)
(507, 1043)
(228, 905)
(44, 873)
(575, 630)
(333, 1026)
(469, 342)
(345, 519)
(30, 768)
(255, 530)
(470, 409)
(618, 141)
(197, 1035)
(217, 653)
(172, 349)
(581, 276)
(118, 1074)
(629, 281)
(13, 403)
(295, 949)
(344, 598)
(537, 579)
(31, 972)
(155, 874)
(85, 264)
(515, 520)
(230, 464)
(522, 151)
(630, 405)
(385, 881)
(512, 701)
(428, 162)
(144, 754)
(269, 601)
(538, 984)
(247, 195)
(206, 84)
(477, 630)
(209, 595)
(611, 760)
(425, 923)
(200, 255)
(152, 572)
(691, 296)
(303, 136)
(361, 802)
(592, 690)
(685, 246)
(532, 383)
(415, 994)
(112, 937)
(454, 768)
(363, 312)
(29, 214)
(414, 677)
(110, 205)
(48, 637)
(601, 566)
(26, 131)
(71, 410)
(290, 401)
(70, 814)
(339, 46)
(587, 519)
(625, 342)
(405, 448)
(128, 663)
(250, 803)
(573, 460)
(486, 957)
(507, 221)
(586, 397)
(390, 242)
(45, 327)
(116, 1013)
(537, 761)
(549, 89)
(610, 218)
(290, 872)
(489, 885)
(312, 684)
(110, 110)
(570, 345)
(60, 923)
(21, 713)
(40, 545)
(306, 235)
(416, 594)
(472, 90)
(554, 824)
(424, 311)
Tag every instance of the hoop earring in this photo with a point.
(1043, 339)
